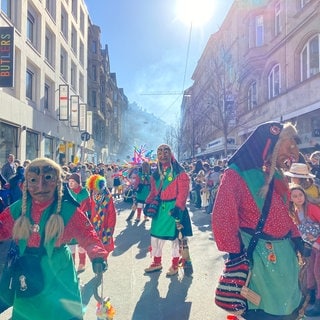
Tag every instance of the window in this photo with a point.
(6, 7)
(30, 27)
(274, 82)
(94, 98)
(29, 84)
(81, 53)
(74, 39)
(12, 9)
(94, 72)
(252, 96)
(64, 23)
(94, 46)
(73, 76)
(81, 21)
(33, 27)
(81, 86)
(51, 8)
(75, 9)
(46, 96)
(49, 46)
(277, 26)
(310, 58)
(259, 31)
(63, 63)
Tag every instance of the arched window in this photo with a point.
(310, 58)
(274, 82)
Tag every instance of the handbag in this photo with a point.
(232, 292)
(151, 209)
(27, 275)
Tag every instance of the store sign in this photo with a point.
(74, 115)
(63, 102)
(6, 56)
(82, 117)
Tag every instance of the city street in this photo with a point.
(139, 296)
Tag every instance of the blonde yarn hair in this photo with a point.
(289, 131)
(54, 227)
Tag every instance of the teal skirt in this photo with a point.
(275, 276)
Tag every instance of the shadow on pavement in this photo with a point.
(172, 306)
(132, 234)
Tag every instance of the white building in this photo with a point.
(50, 49)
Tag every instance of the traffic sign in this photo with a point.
(85, 136)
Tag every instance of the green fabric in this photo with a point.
(163, 226)
(143, 189)
(255, 179)
(276, 283)
(61, 296)
(82, 195)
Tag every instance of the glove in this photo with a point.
(99, 265)
(175, 213)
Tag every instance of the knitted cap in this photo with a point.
(76, 177)
(96, 182)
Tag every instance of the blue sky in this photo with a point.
(148, 48)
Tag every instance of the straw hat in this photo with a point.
(299, 170)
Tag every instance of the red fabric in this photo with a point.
(178, 189)
(87, 238)
(235, 208)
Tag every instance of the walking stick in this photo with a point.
(104, 311)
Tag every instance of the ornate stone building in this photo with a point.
(263, 64)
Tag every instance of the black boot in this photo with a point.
(314, 311)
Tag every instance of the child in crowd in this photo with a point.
(306, 216)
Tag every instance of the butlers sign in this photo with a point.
(6, 56)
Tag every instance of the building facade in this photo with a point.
(51, 52)
(262, 65)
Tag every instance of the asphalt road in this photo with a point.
(139, 296)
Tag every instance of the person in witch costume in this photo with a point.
(103, 212)
(81, 195)
(42, 223)
(172, 222)
(263, 157)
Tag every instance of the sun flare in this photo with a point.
(197, 12)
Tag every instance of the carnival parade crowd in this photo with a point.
(61, 214)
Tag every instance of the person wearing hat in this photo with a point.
(254, 168)
(103, 212)
(42, 223)
(82, 196)
(172, 222)
(299, 173)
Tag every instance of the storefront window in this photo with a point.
(8, 141)
(48, 147)
(32, 145)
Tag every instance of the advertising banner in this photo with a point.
(6, 56)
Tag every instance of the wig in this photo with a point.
(96, 183)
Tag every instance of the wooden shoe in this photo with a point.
(153, 267)
(172, 271)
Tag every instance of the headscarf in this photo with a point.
(259, 151)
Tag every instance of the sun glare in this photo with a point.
(197, 12)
